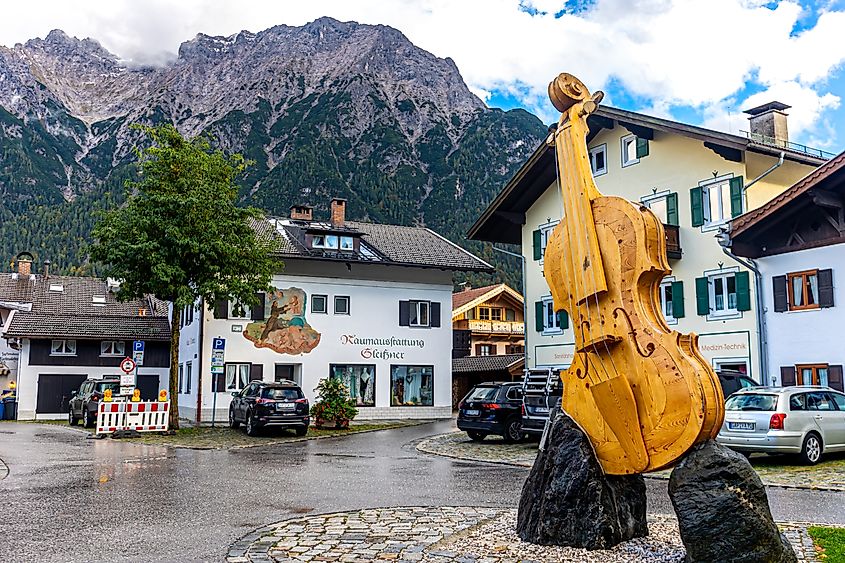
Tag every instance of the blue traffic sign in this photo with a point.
(138, 346)
(219, 344)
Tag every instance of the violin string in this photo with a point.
(586, 202)
(569, 171)
(574, 310)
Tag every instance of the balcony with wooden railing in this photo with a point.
(673, 241)
(490, 327)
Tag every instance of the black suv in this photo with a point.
(265, 404)
(492, 408)
(83, 403)
(732, 381)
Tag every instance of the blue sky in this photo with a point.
(698, 61)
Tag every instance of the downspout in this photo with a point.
(199, 363)
(778, 164)
(524, 309)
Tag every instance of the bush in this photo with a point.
(333, 401)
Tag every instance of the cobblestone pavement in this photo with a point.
(780, 471)
(450, 535)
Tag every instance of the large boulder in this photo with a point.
(723, 512)
(568, 500)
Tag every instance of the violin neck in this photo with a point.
(578, 191)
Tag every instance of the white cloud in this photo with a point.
(669, 52)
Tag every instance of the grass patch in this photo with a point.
(830, 543)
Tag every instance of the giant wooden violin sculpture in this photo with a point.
(642, 392)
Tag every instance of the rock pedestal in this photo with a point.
(723, 512)
(568, 500)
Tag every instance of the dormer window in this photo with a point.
(325, 241)
(98, 300)
(347, 243)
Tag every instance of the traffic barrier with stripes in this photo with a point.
(146, 416)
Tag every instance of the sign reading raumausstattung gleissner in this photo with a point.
(386, 348)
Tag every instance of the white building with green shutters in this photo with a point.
(695, 180)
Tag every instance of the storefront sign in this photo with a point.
(560, 355)
(726, 345)
(388, 348)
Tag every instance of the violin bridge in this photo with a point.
(600, 343)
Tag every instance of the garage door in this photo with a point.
(54, 392)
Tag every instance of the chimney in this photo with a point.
(768, 123)
(338, 212)
(46, 268)
(301, 212)
(24, 264)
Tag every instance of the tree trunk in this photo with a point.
(174, 368)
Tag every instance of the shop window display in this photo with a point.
(359, 379)
(412, 386)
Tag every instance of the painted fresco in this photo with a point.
(285, 329)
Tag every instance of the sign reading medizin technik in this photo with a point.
(388, 348)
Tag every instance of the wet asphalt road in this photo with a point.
(68, 498)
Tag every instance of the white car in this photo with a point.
(803, 419)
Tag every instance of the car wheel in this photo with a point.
(513, 431)
(71, 420)
(233, 424)
(811, 451)
(88, 420)
(476, 436)
(251, 425)
(301, 430)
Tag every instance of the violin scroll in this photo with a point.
(566, 90)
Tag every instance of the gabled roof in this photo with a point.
(384, 244)
(463, 301)
(65, 307)
(812, 180)
(503, 219)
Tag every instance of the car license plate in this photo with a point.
(471, 412)
(741, 425)
(542, 410)
(284, 406)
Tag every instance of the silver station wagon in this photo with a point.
(805, 419)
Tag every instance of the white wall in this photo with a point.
(809, 336)
(8, 355)
(375, 292)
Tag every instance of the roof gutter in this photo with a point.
(724, 239)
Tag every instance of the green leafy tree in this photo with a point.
(180, 236)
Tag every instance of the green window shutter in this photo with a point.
(702, 296)
(562, 320)
(672, 209)
(696, 197)
(538, 245)
(538, 316)
(642, 147)
(678, 299)
(743, 292)
(736, 196)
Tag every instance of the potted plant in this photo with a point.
(334, 408)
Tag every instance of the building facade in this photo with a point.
(796, 243)
(695, 180)
(362, 302)
(68, 329)
(492, 317)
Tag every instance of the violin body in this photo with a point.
(642, 392)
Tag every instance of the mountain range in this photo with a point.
(328, 109)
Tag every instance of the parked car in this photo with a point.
(492, 408)
(804, 419)
(263, 404)
(732, 381)
(83, 403)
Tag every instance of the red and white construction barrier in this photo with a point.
(146, 416)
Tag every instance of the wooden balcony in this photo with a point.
(490, 327)
(673, 241)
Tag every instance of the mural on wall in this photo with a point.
(285, 329)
